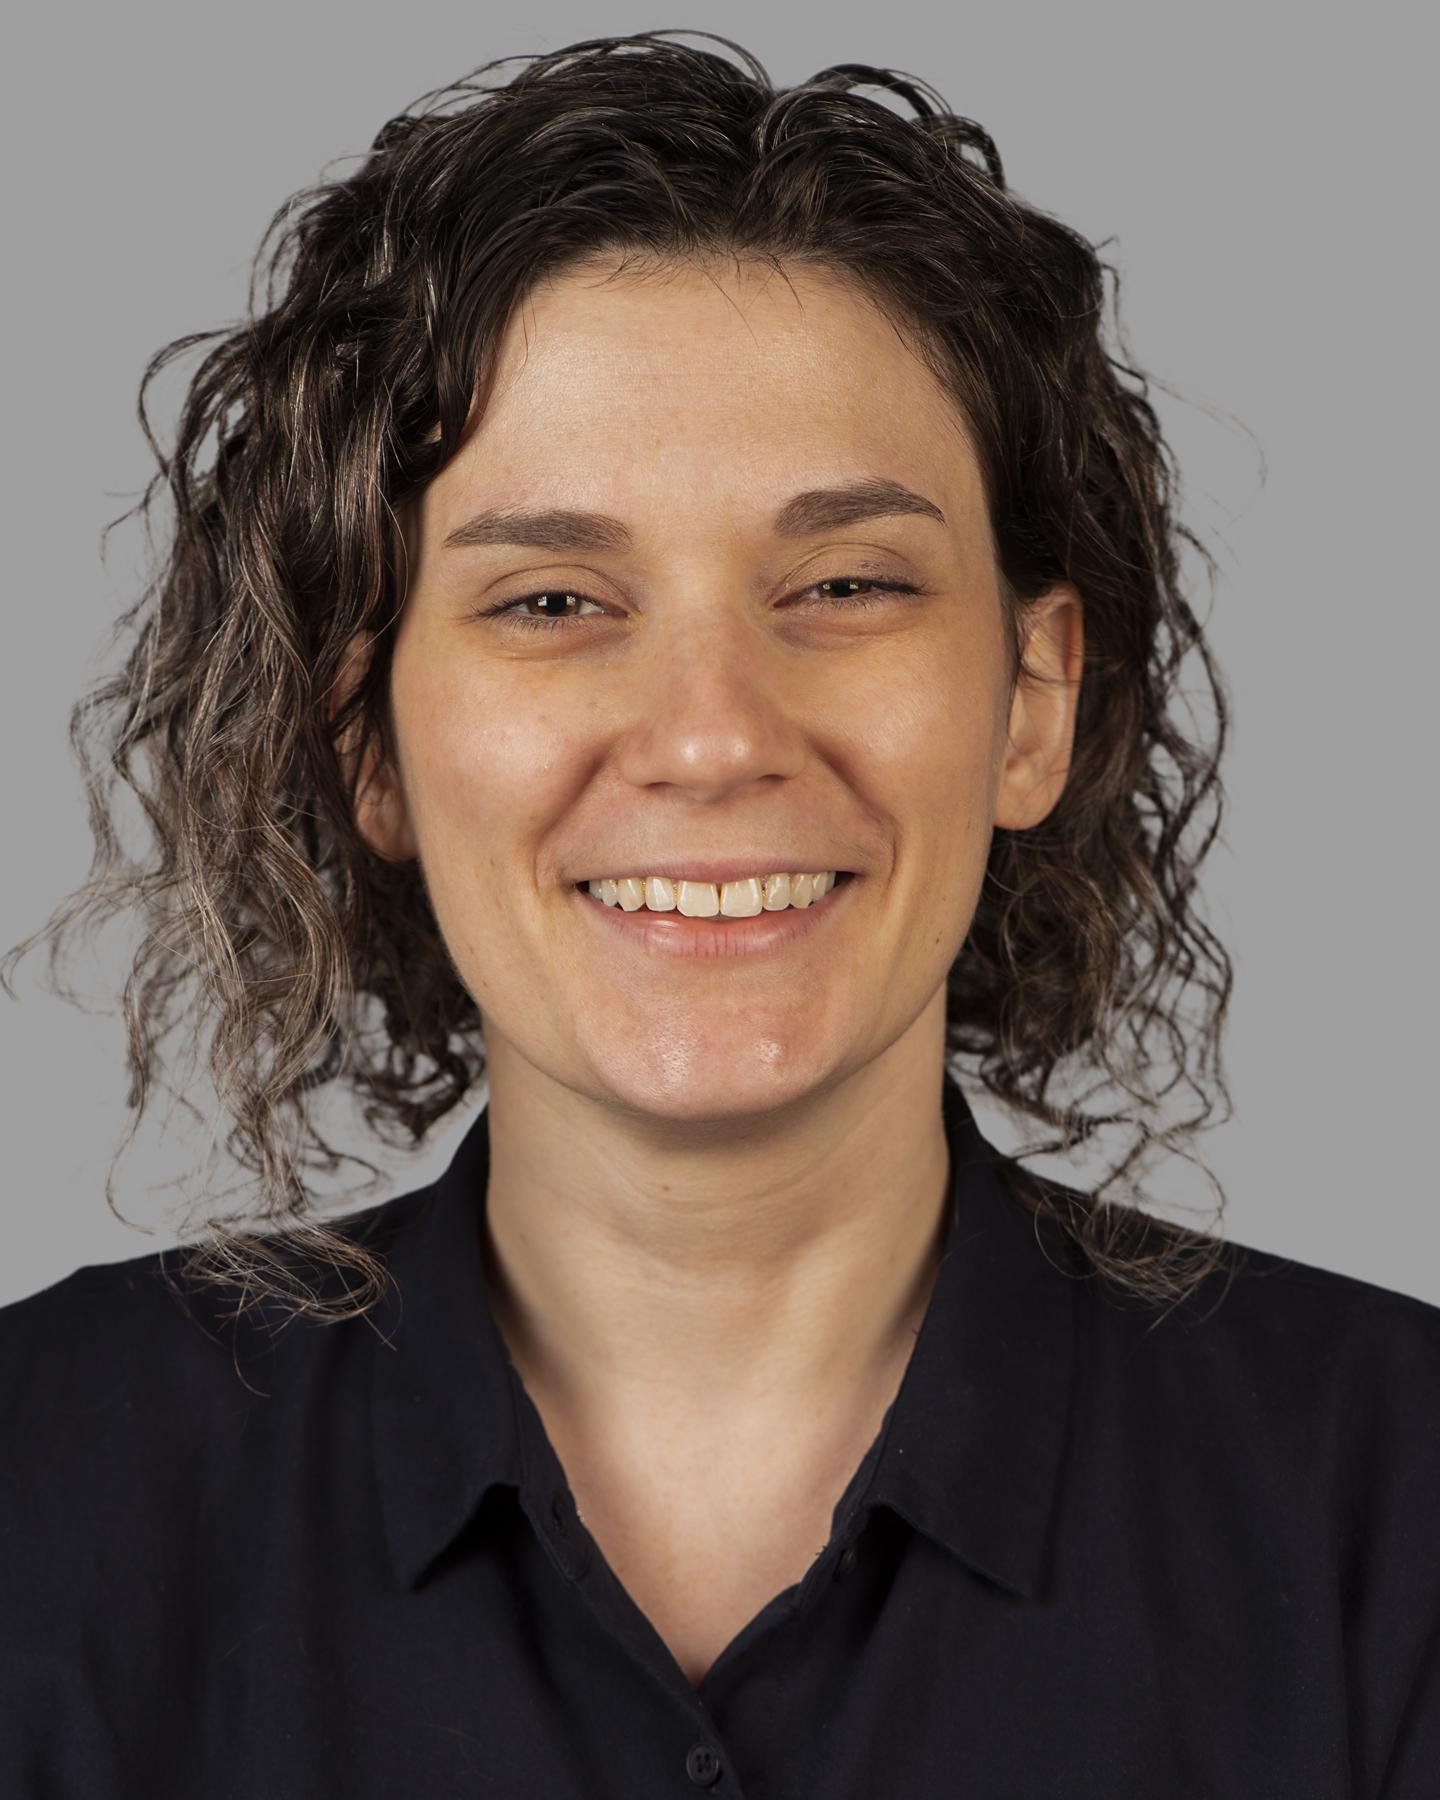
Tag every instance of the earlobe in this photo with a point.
(1036, 762)
(381, 815)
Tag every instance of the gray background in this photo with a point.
(1266, 176)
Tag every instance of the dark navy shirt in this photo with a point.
(1095, 1551)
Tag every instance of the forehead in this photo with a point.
(717, 388)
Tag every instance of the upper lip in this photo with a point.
(729, 870)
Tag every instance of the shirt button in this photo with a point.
(702, 1765)
(849, 1556)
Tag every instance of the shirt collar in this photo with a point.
(443, 1414)
(969, 1452)
(972, 1445)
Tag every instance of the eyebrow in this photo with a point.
(812, 510)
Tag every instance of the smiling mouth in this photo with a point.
(694, 906)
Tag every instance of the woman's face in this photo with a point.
(701, 697)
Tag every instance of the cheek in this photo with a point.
(486, 784)
(474, 767)
(934, 727)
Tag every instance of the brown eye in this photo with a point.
(876, 586)
(561, 597)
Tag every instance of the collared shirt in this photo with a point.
(1094, 1550)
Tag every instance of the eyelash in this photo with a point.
(523, 623)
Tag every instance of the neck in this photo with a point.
(762, 1280)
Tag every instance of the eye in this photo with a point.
(876, 586)
(562, 595)
(517, 620)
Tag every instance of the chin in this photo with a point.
(695, 1089)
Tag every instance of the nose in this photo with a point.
(713, 702)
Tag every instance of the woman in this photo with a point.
(683, 618)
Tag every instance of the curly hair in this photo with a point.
(308, 429)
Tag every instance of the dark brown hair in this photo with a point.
(306, 431)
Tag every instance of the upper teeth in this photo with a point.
(704, 899)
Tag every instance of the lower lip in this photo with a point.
(675, 934)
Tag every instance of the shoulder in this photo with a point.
(122, 1371)
(1321, 1382)
(144, 1421)
(1277, 1319)
(1356, 1363)
(1317, 1391)
(1279, 1429)
(57, 1328)
(1256, 1314)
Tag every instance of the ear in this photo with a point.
(381, 814)
(1042, 709)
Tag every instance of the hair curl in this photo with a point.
(308, 429)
